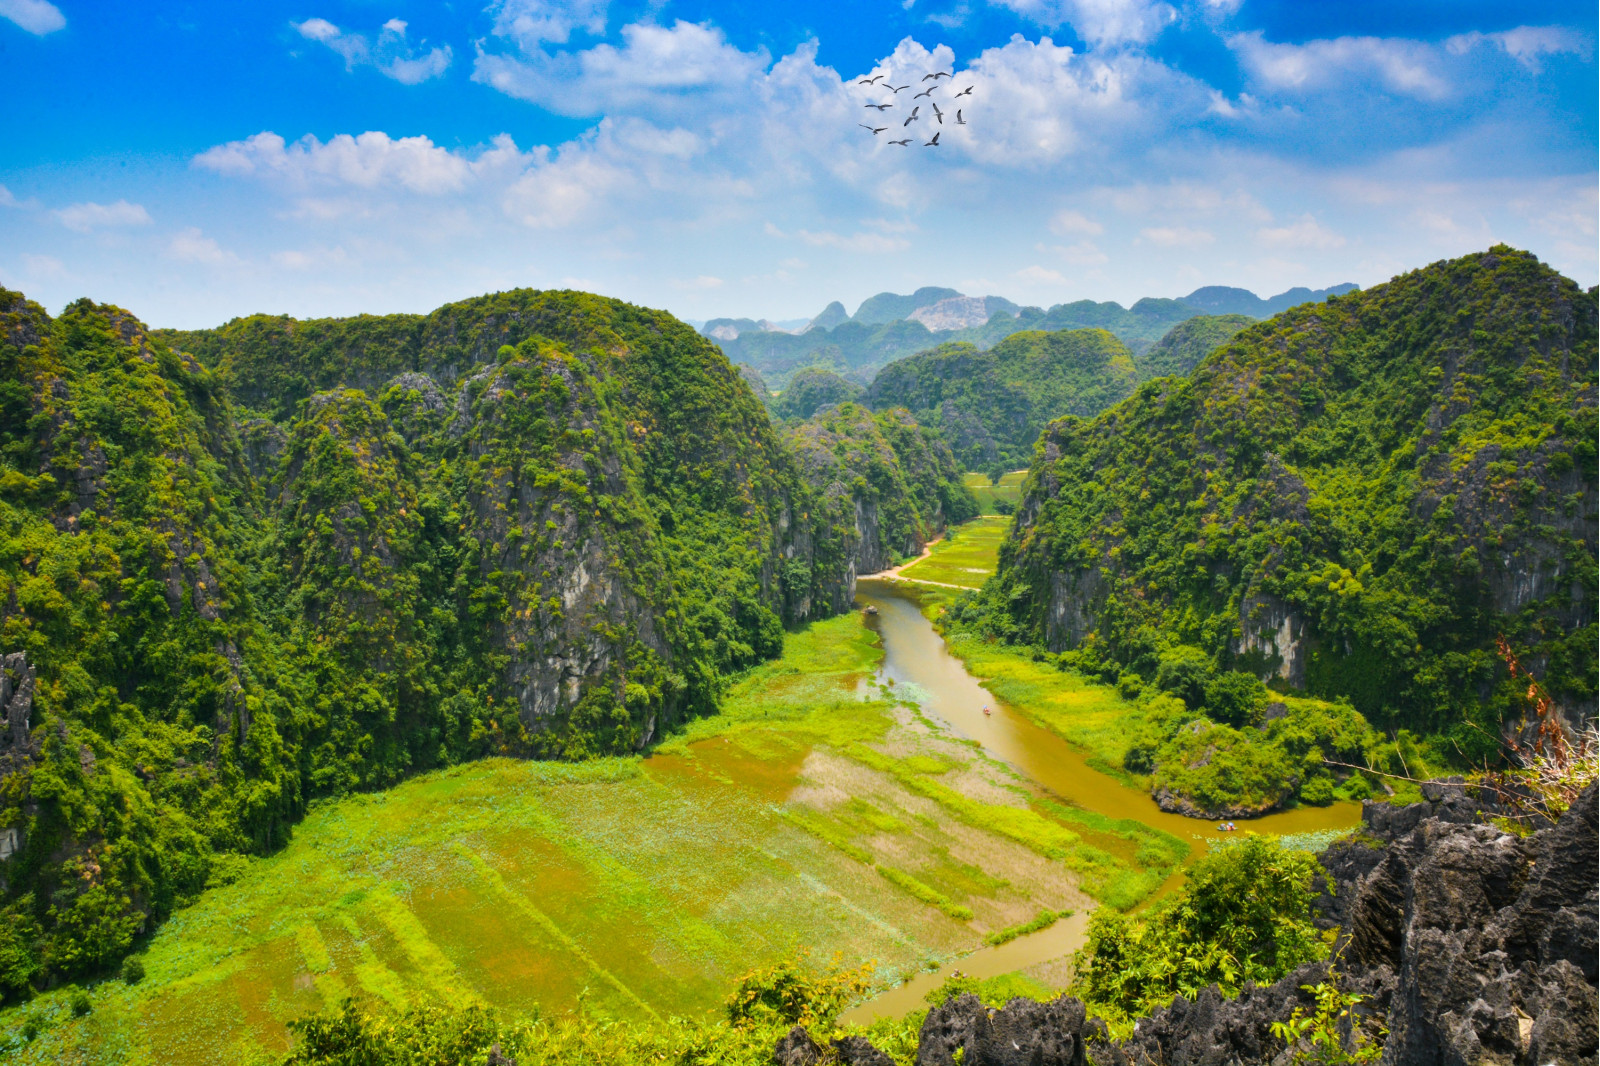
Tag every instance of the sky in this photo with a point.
(193, 162)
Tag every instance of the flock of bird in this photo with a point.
(916, 108)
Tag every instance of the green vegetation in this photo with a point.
(991, 405)
(1188, 343)
(621, 888)
(810, 389)
(996, 497)
(1043, 920)
(882, 474)
(538, 524)
(1242, 915)
(1353, 500)
(964, 557)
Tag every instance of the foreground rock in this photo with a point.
(1470, 944)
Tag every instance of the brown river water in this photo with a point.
(915, 653)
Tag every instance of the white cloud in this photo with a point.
(1038, 275)
(7, 199)
(391, 53)
(656, 67)
(1528, 45)
(704, 281)
(1306, 232)
(367, 161)
(310, 258)
(1100, 22)
(38, 17)
(531, 23)
(44, 266)
(91, 216)
(1176, 237)
(1069, 223)
(192, 246)
(866, 243)
(1082, 253)
(1402, 66)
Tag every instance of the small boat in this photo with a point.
(870, 609)
(987, 711)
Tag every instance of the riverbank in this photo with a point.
(822, 811)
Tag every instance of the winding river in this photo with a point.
(915, 653)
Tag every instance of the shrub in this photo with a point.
(132, 970)
(1234, 698)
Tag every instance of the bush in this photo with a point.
(1235, 699)
(80, 1003)
(132, 970)
(1243, 915)
(1184, 672)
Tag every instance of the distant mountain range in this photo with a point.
(891, 326)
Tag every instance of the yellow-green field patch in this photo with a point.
(965, 557)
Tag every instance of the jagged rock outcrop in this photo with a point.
(1469, 944)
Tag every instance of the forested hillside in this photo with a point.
(991, 405)
(889, 483)
(810, 389)
(247, 567)
(1356, 499)
(1185, 344)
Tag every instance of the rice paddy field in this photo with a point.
(1009, 489)
(965, 557)
(820, 812)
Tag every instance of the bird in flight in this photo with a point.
(936, 112)
(959, 120)
(895, 88)
(913, 117)
(933, 143)
(880, 107)
(874, 129)
(869, 81)
(965, 92)
(904, 142)
(936, 75)
(932, 87)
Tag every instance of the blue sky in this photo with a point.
(193, 162)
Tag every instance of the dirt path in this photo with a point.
(894, 574)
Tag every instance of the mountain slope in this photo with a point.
(992, 404)
(1355, 498)
(1185, 344)
(810, 389)
(532, 524)
(1226, 300)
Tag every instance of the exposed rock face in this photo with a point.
(957, 312)
(1024, 1033)
(1470, 944)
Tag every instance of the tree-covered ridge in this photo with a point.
(886, 484)
(1187, 343)
(991, 405)
(1355, 498)
(437, 546)
(813, 388)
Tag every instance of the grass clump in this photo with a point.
(926, 893)
(1043, 920)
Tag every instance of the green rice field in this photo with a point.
(965, 557)
(1009, 489)
(816, 814)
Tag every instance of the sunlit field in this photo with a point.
(965, 556)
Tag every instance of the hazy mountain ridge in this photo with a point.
(891, 326)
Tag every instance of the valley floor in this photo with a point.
(818, 812)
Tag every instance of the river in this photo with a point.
(915, 653)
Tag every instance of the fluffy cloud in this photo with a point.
(1100, 22)
(1305, 232)
(38, 17)
(390, 53)
(192, 246)
(532, 23)
(91, 216)
(1176, 237)
(1069, 223)
(1406, 67)
(1528, 45)
(370, 160)
(655, 68)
